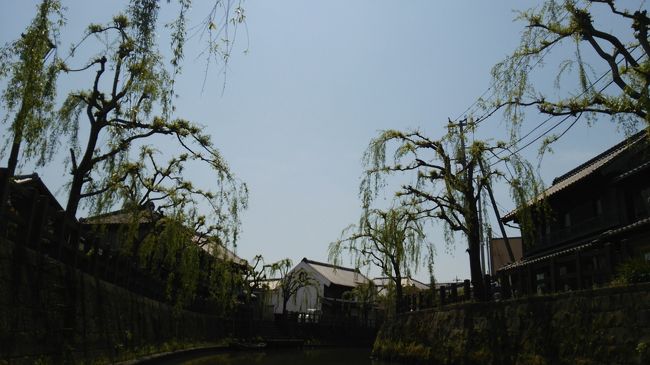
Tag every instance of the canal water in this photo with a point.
(315, 356)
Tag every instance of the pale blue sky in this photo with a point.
(319, 80)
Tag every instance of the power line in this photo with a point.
(491, 87)
(591, 86)
(534, 140)
(489, 113)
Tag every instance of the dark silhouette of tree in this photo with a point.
(450, 178)
(129, 85)
(364, 296)
(290, 281)
(127, 106)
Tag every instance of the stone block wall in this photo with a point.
(52, 313)
(591, 327)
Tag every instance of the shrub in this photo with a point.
(634, 271)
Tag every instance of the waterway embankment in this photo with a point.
(589, 327)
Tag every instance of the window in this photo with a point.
(645, 199)
(641, 203)
(567, 220)
(599, 207)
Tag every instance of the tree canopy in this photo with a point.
(392, 240)
(585, 26)
(126, 103)
(120, 107)
(32, 64)
(451, 174)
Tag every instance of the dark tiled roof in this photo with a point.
(384, 281)
(634, 171)
(215, 248)
(34, 181)
(328, 265)
(337, 274)
(529, 261)
(585, 169)
(630, 227)
(122, 216)
(601, 238)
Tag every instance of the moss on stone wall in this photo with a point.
(591, 327)
(51, 313)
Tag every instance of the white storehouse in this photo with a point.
(330, 282)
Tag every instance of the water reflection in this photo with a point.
(318, 356)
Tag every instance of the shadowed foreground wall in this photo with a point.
(603, 326)
(51, 313)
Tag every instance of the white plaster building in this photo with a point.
(330, 282)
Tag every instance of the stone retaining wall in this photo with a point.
(591, 327)
(51, 313)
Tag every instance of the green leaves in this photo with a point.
(95, 28)
(552, 24)
(126, 102)
(392, 240)
(121, 21)
(32, 65)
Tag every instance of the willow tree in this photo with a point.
(291, 281)
(364, 296)
(31, 62)
(450, 176)
(189, 223)
(392, 240)
(583, 25)
(126, 105)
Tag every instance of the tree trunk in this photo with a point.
(80, 172)
(474, 248)
(18, 138)
(472, 225)
(474, 251)
(399, 294)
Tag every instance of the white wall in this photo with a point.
(305, 298)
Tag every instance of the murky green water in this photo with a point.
(318, 356)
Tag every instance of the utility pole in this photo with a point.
(471, 215)
(511, 256)
(489, 250)
(479, 202)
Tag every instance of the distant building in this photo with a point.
(412, 291)
(34, 182)
(111, 228)
(599, 217)
(499, 256)
(30, 211)
(409, 284)
(326, 295)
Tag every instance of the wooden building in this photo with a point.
(598, 218)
